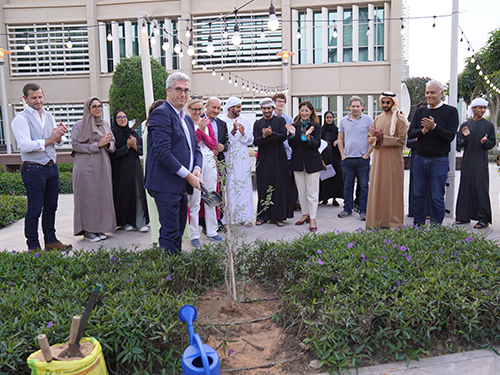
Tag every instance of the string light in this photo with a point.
(27, 45)
(177, 46)
(144, 27)
(210, 44)
(222, 76)
(69, 43)
(188, 30)
(190, 50)
(193, 61)
(236, 39)
(225, 34)
(335, 33)
(368, 31)
(402, 27)
(166, 44)
(181, 54)
(152, 39)
(273, 23)
(156, 29)
(213, 72)
(262, 33)
(229, 80)
(298, 35)
(109, 38)
(434, 23)
(204, 66)
(235, 82)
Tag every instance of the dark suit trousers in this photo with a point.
(172, 212)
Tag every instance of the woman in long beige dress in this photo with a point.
(92, 140)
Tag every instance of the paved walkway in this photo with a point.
(476, 362)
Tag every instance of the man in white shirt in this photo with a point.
(36, 134)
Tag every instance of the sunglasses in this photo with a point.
(196, 109)
(196, 97)
(95, 106)
(121, 118)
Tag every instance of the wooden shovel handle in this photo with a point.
(75, 324)
(44, 345)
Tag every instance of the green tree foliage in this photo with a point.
(471, 84)
(416, 88)
(126, 91)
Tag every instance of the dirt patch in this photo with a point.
(231, 329)
(85, 347)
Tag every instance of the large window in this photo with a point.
(253, 50)
(379, 33)
(332, 36)
(48, 52)
(348, 41)
(363, 36)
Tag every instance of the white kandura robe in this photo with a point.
(239, 173)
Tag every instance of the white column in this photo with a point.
(156, 46)
(129, 49)
(309, 36)
(295, 106)
(340, 37)
(324, 36)
(146, 64)
(295, 41)
(5, 116)
(168, 54)
(324, 104)
(102, 47)
(355, 33)
(115, 43)
(371, 38)
(370, 105)
(387, 9)
(340, 108)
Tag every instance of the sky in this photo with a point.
(430, 49)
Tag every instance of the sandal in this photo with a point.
(280, 224)
(259, 222)
(461, 222)
(481, 224)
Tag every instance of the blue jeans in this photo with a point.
(429, 173)
(42, 190)
(352, 167)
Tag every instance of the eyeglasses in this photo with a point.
(196, 109)
(196, 97)
(96, 106)
(281, 101)
(121, 118)
(179, 91)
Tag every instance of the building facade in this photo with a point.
(344, 49)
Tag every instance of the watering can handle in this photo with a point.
(203, 354)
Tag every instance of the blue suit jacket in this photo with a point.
(168, 150)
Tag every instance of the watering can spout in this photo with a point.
(198, 358)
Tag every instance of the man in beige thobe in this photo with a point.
(387, 135)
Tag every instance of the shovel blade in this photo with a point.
(71, 352)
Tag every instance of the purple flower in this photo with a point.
(412, 225)
(403, 248)
(37, 255)
(169, 278)
(423, 280)
(168, 260)
(11, 283)
(10, 221)
(289, 260)
(469, 239)
(363, 257)
(403, 226)
(322, 290)
(105, 297)
(154, 243)
(338, 231)
(335, 276)
(350, 245)
(230, 352)
(388, 242)
(50, 324)
(359, 229)
(113, 258)
(308, 263)
(455, 253)
(399, 283)
(374, 231)
(14, 251)
(319, 251)
(394, 246)
(475, 266)
(383, 257)
(320, 262)
(128, 280)
(408, 258)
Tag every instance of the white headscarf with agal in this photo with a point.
(396, 112)
(476, 103)
(231, 102)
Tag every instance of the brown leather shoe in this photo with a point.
(58, 246)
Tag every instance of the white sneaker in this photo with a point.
(128, 228)
(92, 237)
(144, 229)
(101, 236)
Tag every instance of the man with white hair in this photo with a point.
(388, 137)
(272, 170)
(239, 173)
(476, 136)
(435, 126)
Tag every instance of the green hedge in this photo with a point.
(136, 316)
(12, 183)
(12, 208)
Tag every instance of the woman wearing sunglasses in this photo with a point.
(92, 141)
(128, 178)
(207, 142)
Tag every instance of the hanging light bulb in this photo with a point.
(262, 33)
(481, 73)
(210, 45)
(402, 27)
(144, 27)
(236, 39)
(181, 54)
(190, 51)
(248, 87)
(222, 76)
(188, 30)
(478, 67)
(235, 82)
(243, 85)
(298, 35)
(368, 31)
(229, 80)
(156, 29)
(177, 47)
(152, 39)
(27, 45)
(213, 72)
(109, 37)
(335, 33)
(166, 44)
(225, 34)
(273, 22)
(472, 60)
(69, 43)
(193, 61)
(204, 66)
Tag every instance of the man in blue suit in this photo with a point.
(173, 163)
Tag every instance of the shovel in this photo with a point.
(44, 345)
(72, 350)
(86, 314)
(211, 199)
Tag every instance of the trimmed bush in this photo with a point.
(12, 208)
(12, 183)
(136, 315)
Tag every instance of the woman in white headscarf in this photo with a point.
(92, 140)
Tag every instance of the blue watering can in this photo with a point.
(198, 358)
